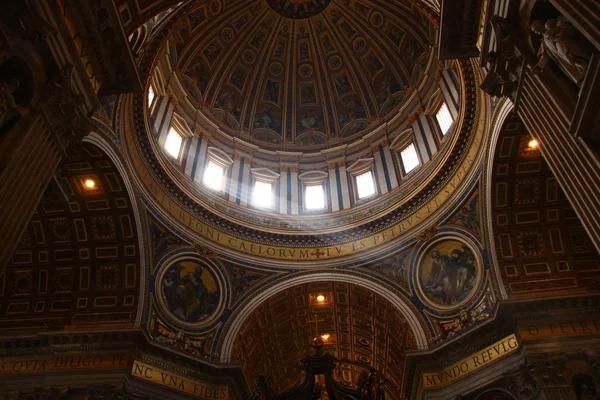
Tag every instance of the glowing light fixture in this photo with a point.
(89, 184)
(320, 298)
(533, 144)
(325, 336)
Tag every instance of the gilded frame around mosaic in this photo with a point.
(448, 273)
(190, 291)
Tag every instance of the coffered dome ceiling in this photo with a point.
(332, 90)
(302, 73)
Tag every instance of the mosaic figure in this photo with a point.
(448, 273)
(190, 291)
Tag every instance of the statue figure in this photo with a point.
(380, 392)
(565, 45)
(504, 64)
(9, 109)
(262, 389)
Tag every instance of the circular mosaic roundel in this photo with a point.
(298, 9)
(448, 274)
(189, 291)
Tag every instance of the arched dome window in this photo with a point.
(444, 118)
(173, 143)
(363, 179)
(313, 190)
(410, 159)
(263, 188)
(150, 98)
(215, 172)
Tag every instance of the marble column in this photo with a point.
(246, 190)
(199, 157)
(381, 179)
(451, 92)
(234, 180)
(30, 155)
(283, 190)
(344, 188)
(294, 186)
(425, 130)
(336, 201)
(163, 113)
(546, 109)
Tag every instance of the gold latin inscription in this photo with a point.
(179, 382)
(538, 330)
(62, 363)
(471, 363)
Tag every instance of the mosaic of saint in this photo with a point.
(190, 291)
(448, 273)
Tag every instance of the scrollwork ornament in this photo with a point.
(593, 361)
(107, 392)
(62, 111)
(522, 383)
(50, 394)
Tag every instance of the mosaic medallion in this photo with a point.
(448, 274)
(190, 292)
(298, 9)
(305, 70)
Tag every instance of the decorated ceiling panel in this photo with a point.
(541, 246)
(268, 72)
(366, 331)
(78, 260)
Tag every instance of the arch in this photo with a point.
(144, 252)
(502, 394)
(332, 276)
(502, 113)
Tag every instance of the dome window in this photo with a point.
(315, 197)
(364, 179)
(410, 159)
(173, 143)
(444, 118)
(313, 190)
(263, 192)
(216, 169)
(150, 97)
(262, 195)
(213, 176)
(365, 185)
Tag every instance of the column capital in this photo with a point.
(205, 136)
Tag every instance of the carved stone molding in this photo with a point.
(62, 112)
(50, 394)
(100, 26)
(107, 392)
(549, 370)
(522, 383)
(21, 20)
(507, 62)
